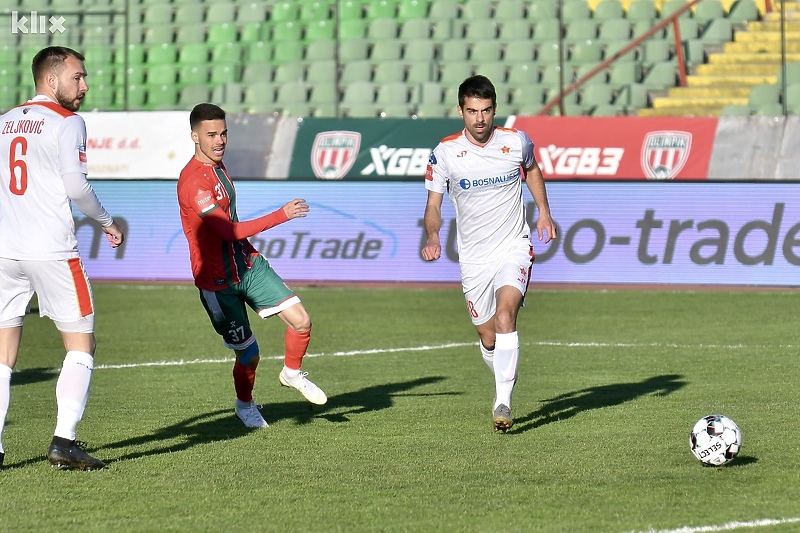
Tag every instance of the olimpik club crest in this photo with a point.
(334, 153)
(664, 153)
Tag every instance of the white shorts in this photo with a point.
(62, 288)
(481, 282)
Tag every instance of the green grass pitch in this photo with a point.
(611, 381)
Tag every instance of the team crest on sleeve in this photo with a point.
(205, 202)
(432, 159)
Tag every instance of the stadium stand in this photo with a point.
(249, 54)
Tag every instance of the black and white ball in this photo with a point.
(715, 440)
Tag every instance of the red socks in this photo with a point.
(244, 378)
(296, 346)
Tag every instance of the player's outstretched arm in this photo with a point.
(433, 223)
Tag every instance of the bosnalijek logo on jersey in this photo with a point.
(334, 153)
(664, 153)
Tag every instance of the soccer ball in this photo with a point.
(715, 440)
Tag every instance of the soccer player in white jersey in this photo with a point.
(42, 170)
(482, 168)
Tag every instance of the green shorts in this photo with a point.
(261, 288)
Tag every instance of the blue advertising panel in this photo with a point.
(610, 232)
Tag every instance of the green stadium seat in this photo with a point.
(315, 11)
(476, 10)
(352, 29)
(454, 72)
(792, 73)
(515, 30)
(419, 50)
(694, 52)
(575, 10)
(224, 32)
(227, 53)
(608, 9)
(229, 96)
(321, 71)
(509, 10)
(378, 9)
(395, 110)
(191, 95)
(443, 10)
(253, 32)
(353, 50)
(640, 27)
(485, 51)
(792, 96)
(614, 29)
(642, 11)
(161, 97)
(600, 77)
(96, 34)
(455, 50)
(708, 10)
(322, 49)
(529, 98)
(520, 74)
(287, 51)
(290, 72)
(164, 74)
(614, 47)
(97, 55)
(735, 110)
(580, 30)
(623, 74)
(9, 55)
(431, 110)
(546, 31)
(135, 76)
(358, 70)
(285, 12)
(672, 6)
(382, 28)
(190, 34)
(522, 51)
(225, 74)
(255, 73)
(420, 71)
(584, 52)
(479, 30)
(217, 12)
(157, 14)
(415, 29)
(549, 54)
(259, 51)
(385, 50)
(542, 9)
(193, 54)
(631, 98)
(655, 51)
(762, 95)
(743, 11)
(717, 32)
(135, 35)
(324, 93)
(769, 110)
(258, 94)
(100, 97)
(359, 92)
(318, 30)
(292, 92)
(289, 30)
(412, 9)
(192, 74)
(250, 12)
(194, 13)
(166, 53)
(660, 76)
(595, 95)
(98, 76)
(350, 10)
(443, 30)
(494, 70)
(570, 100)
(393, 92)
(552, 76)
(687, 27)
(389, 71)
(430, 92)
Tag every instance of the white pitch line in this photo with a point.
(730, 526)
(426, 348)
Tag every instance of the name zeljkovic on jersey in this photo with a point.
(487, 182)
(22, 126)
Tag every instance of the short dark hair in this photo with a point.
(51, 59)
(477, 86)
(205, 111)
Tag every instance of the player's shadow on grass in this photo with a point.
(33, 375)
(223, 424)
(570, 404)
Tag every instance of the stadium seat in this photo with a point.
(642, 10)
(166, 53)
(600, 77)
(159, 33)
(193, 54)
(190, 34)
(415, 29)
(377, 9)
(476, 10)
(163, 74)
(315, 11)
(595, 95)
(552, 76)
(317, 30)
(353, 50)
(287, 51)
(655, 51)
(420, 71)
(156, 14)
(479, 30)
(515, 30)
(608, 9)
(549, 54)
(623, 74)
(224, 32)
(494, 70)
(631, 98)
(259, 51)
(250, 12)
(191, 95)
(708, 10)
(192, 74)
(350, 10)
(523, 74)
(614, 29)
(546, 31)
(96, 55)
(584, 52)
(769, 110)
(743, 11)
(324, 93)
(427, 93)
(292, 92)
(668, 7)
(135, 76)
(96, 34)
(352, 29)
(580, 30)
(253, 32)
(454, 72)
(100, 97)
(508, 10)
(762, 95)
(255, 73)
(419, 50)
(359, 92)
(522, 51)
(161, 97)
(575, 10)
(389, 71)
(229, 96)
(320, 72)
(660, 76)
(687, 28)
(227, 53)
(431, 110)
(443, 10)
(735, 110)
(443, 31)
(285, 12)
(287, 72)
(483, 51)
(393, 92)
(322, 49)
(288, 30)
(382, 28)
(259, 97)
(217, 12)
(385, 50)
(194, 13)
(792, 97)
(221, 74)
(717, 32)
(359, 70)
(454, 50)
(527, 98)
(412, 9)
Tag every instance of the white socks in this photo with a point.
(5, 396)
(506, 356)
(488, 356)
(72, 392)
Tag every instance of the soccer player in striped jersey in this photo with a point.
(230, 273)
(42, 170)
(482, 168)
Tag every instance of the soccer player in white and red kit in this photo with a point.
(230, 273)
(42, 171)
(482, 168)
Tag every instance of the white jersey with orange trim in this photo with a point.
(40, 143)
(485, 186)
